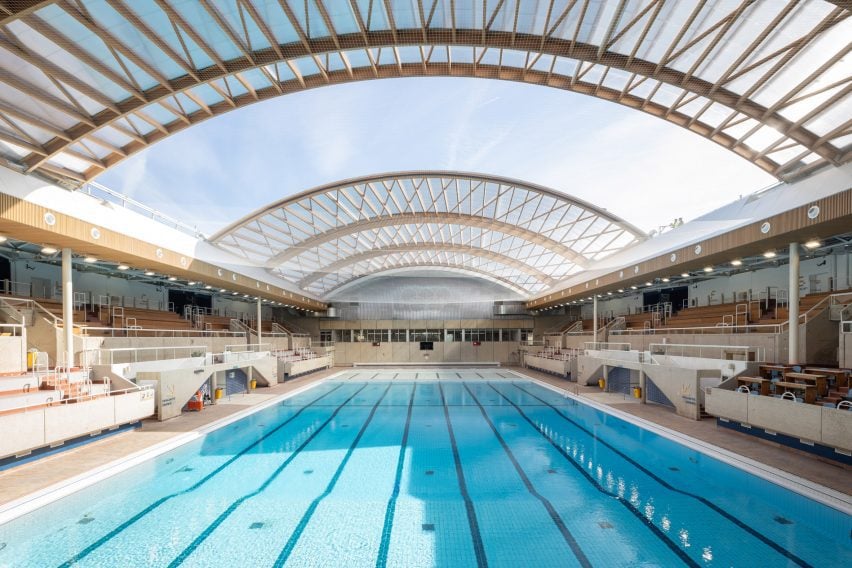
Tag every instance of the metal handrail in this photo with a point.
(85, 330)
(97, 355)
(81, 398)
(17, 328)
(700, 330)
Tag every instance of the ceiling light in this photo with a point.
(633, 287)
(3, 239)
(609, 293)
(149, 273)
(208, 287)
(620, 290)
(770, 254)
(90, 259)
(234, 293)
(122, 267)
(649, 283)
(666, 280)
(48, 250)
(172, 279)
(222, 290)
(708, 269)
(736, 262)
(190, 283)
(810, 244)
(684, 274)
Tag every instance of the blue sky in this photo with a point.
(636, 166)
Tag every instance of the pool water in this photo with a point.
(431, 468)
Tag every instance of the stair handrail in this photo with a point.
(818, 308)
(574, 328)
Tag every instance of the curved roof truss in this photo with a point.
(521, 232)
(86, 84)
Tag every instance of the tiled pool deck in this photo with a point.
(28, 478)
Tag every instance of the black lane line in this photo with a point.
(741, 524)
(306, 517)
(551, 510)
(114, 532)
(382, 559)
(636, 513)
(233, 507)
(478, 547)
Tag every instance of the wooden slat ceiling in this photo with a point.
(86, 83)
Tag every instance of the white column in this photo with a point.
(68, 306)
(595, 317)
(258, 324)
(793, 307)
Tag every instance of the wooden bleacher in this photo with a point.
(148, 319)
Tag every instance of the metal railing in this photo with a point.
(104, 193)
(722, 352)
(606, 346)
(139, 331)
(12, 288)
(11, 329)
(146, 390)
(708, 330)
(124, 355)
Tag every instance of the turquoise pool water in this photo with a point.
(466, 468)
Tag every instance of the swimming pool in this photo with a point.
(430, 468)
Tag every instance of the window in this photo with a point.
(376, 335)
(326, 336)
(526, 335)
(343, 335)
(426, 335)
(509, 335)
(453, 335)
(399, 335)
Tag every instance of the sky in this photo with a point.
(638, 167)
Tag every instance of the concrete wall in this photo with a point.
(827, 426)
(409, 352)
(54, 424)
(845, 350)
(13, 354)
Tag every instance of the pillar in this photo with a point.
(595, 318)
(793, 307)
(68, 306)
(258, 325)
(642, 385)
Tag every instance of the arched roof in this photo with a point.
(84, 84)
(523, 235)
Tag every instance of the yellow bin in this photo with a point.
(253, 384)
(637, 392)
(32, 355)
(219, 392)
(602, 383)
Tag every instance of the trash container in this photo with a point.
(602, 383)
(32, 357)
(219, 392)
(253, 384)
(637, 392)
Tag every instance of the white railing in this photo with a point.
(122, 355)
(248, 348)
(104, 193)
(147, 390)
(12, 288)
(139, 331)
(11, 329)
(708, 330)
(606, 346)
(723, 352)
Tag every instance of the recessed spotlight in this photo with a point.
(90, 259)
(633, 287)
(620, 290)
(609, 293)
(708, 269)
(172, 279)
(235, 293)
(190, 283)
(812, 244)
(736, 262)
(149, 273)
(770, 254)
(684, 274)
(649, 283)
(222, 290)
(122, 267)
(208, 287)
(3, 239)
(48, 250)
(666, 280)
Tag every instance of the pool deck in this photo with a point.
(28, 478)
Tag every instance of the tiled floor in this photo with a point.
(28, 478)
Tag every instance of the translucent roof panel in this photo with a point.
(521, 235)
(768, 80)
